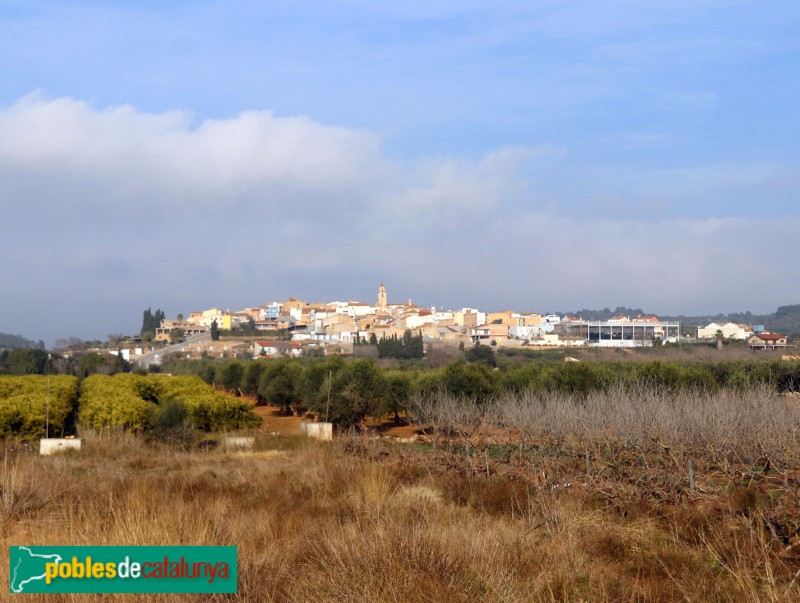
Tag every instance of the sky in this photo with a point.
(535, 155)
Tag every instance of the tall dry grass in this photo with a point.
(365, 521)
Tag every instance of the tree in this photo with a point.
(410, 346)
(358, 390)
(468, 381)
(214, 330)
(150, 322)
(18, 341)
(481, 353)
(176, 335)
(92, 363)
(398, 391)
(73, 344)
(313, 389)
(229, 375)
(279, 381)
(22, 361)
(251, 379)
(208, 373)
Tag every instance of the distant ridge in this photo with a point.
(786, 319)
(12, 342)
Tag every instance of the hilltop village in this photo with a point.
(295, 327)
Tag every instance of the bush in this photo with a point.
(116, 402)
(29, 403)
(471, 381)
(172, 423)
(481, 353)
(132, 402)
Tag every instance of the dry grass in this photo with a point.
(362, 520)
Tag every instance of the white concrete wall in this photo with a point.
(239, 442)
(49, 446)
(318, 431)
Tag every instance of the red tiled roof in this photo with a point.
(770, 336)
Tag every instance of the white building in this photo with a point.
(729, 330)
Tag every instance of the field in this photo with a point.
(637, 493)
(457, 517)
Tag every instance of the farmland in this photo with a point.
(629, 490)
(32, 404)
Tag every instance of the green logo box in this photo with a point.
(123, 569)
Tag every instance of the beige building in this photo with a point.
(468, 317)
(489, 332)
(767, 341)
(164, 332)
(506, 317)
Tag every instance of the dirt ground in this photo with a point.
(274, 420)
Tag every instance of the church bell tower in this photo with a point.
(382, 297)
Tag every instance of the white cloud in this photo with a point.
(161, 157)
(108, 211)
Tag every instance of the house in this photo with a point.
(555, 340)
(767, 341)
(272, 311)
(224, 319)
(164, 332)
(530, 319)
(504, 317)
(276, 348)
(489, 332)
(469, 317)
(270, 324)
(414, 320)
(440, 315)
(248, 313)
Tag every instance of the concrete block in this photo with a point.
(55, 445)
(239, 442)
(319, 431)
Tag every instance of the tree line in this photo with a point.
(347, 390)
(24, 361)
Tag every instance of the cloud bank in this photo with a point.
(110, 210)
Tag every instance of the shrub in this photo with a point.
(29, 403)
(132, 402)
(172, 423)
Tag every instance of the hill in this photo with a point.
(12, 342)
(786, 319)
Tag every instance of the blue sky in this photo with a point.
(559, 154)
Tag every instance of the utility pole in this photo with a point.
(47, 411)
(328, 405)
